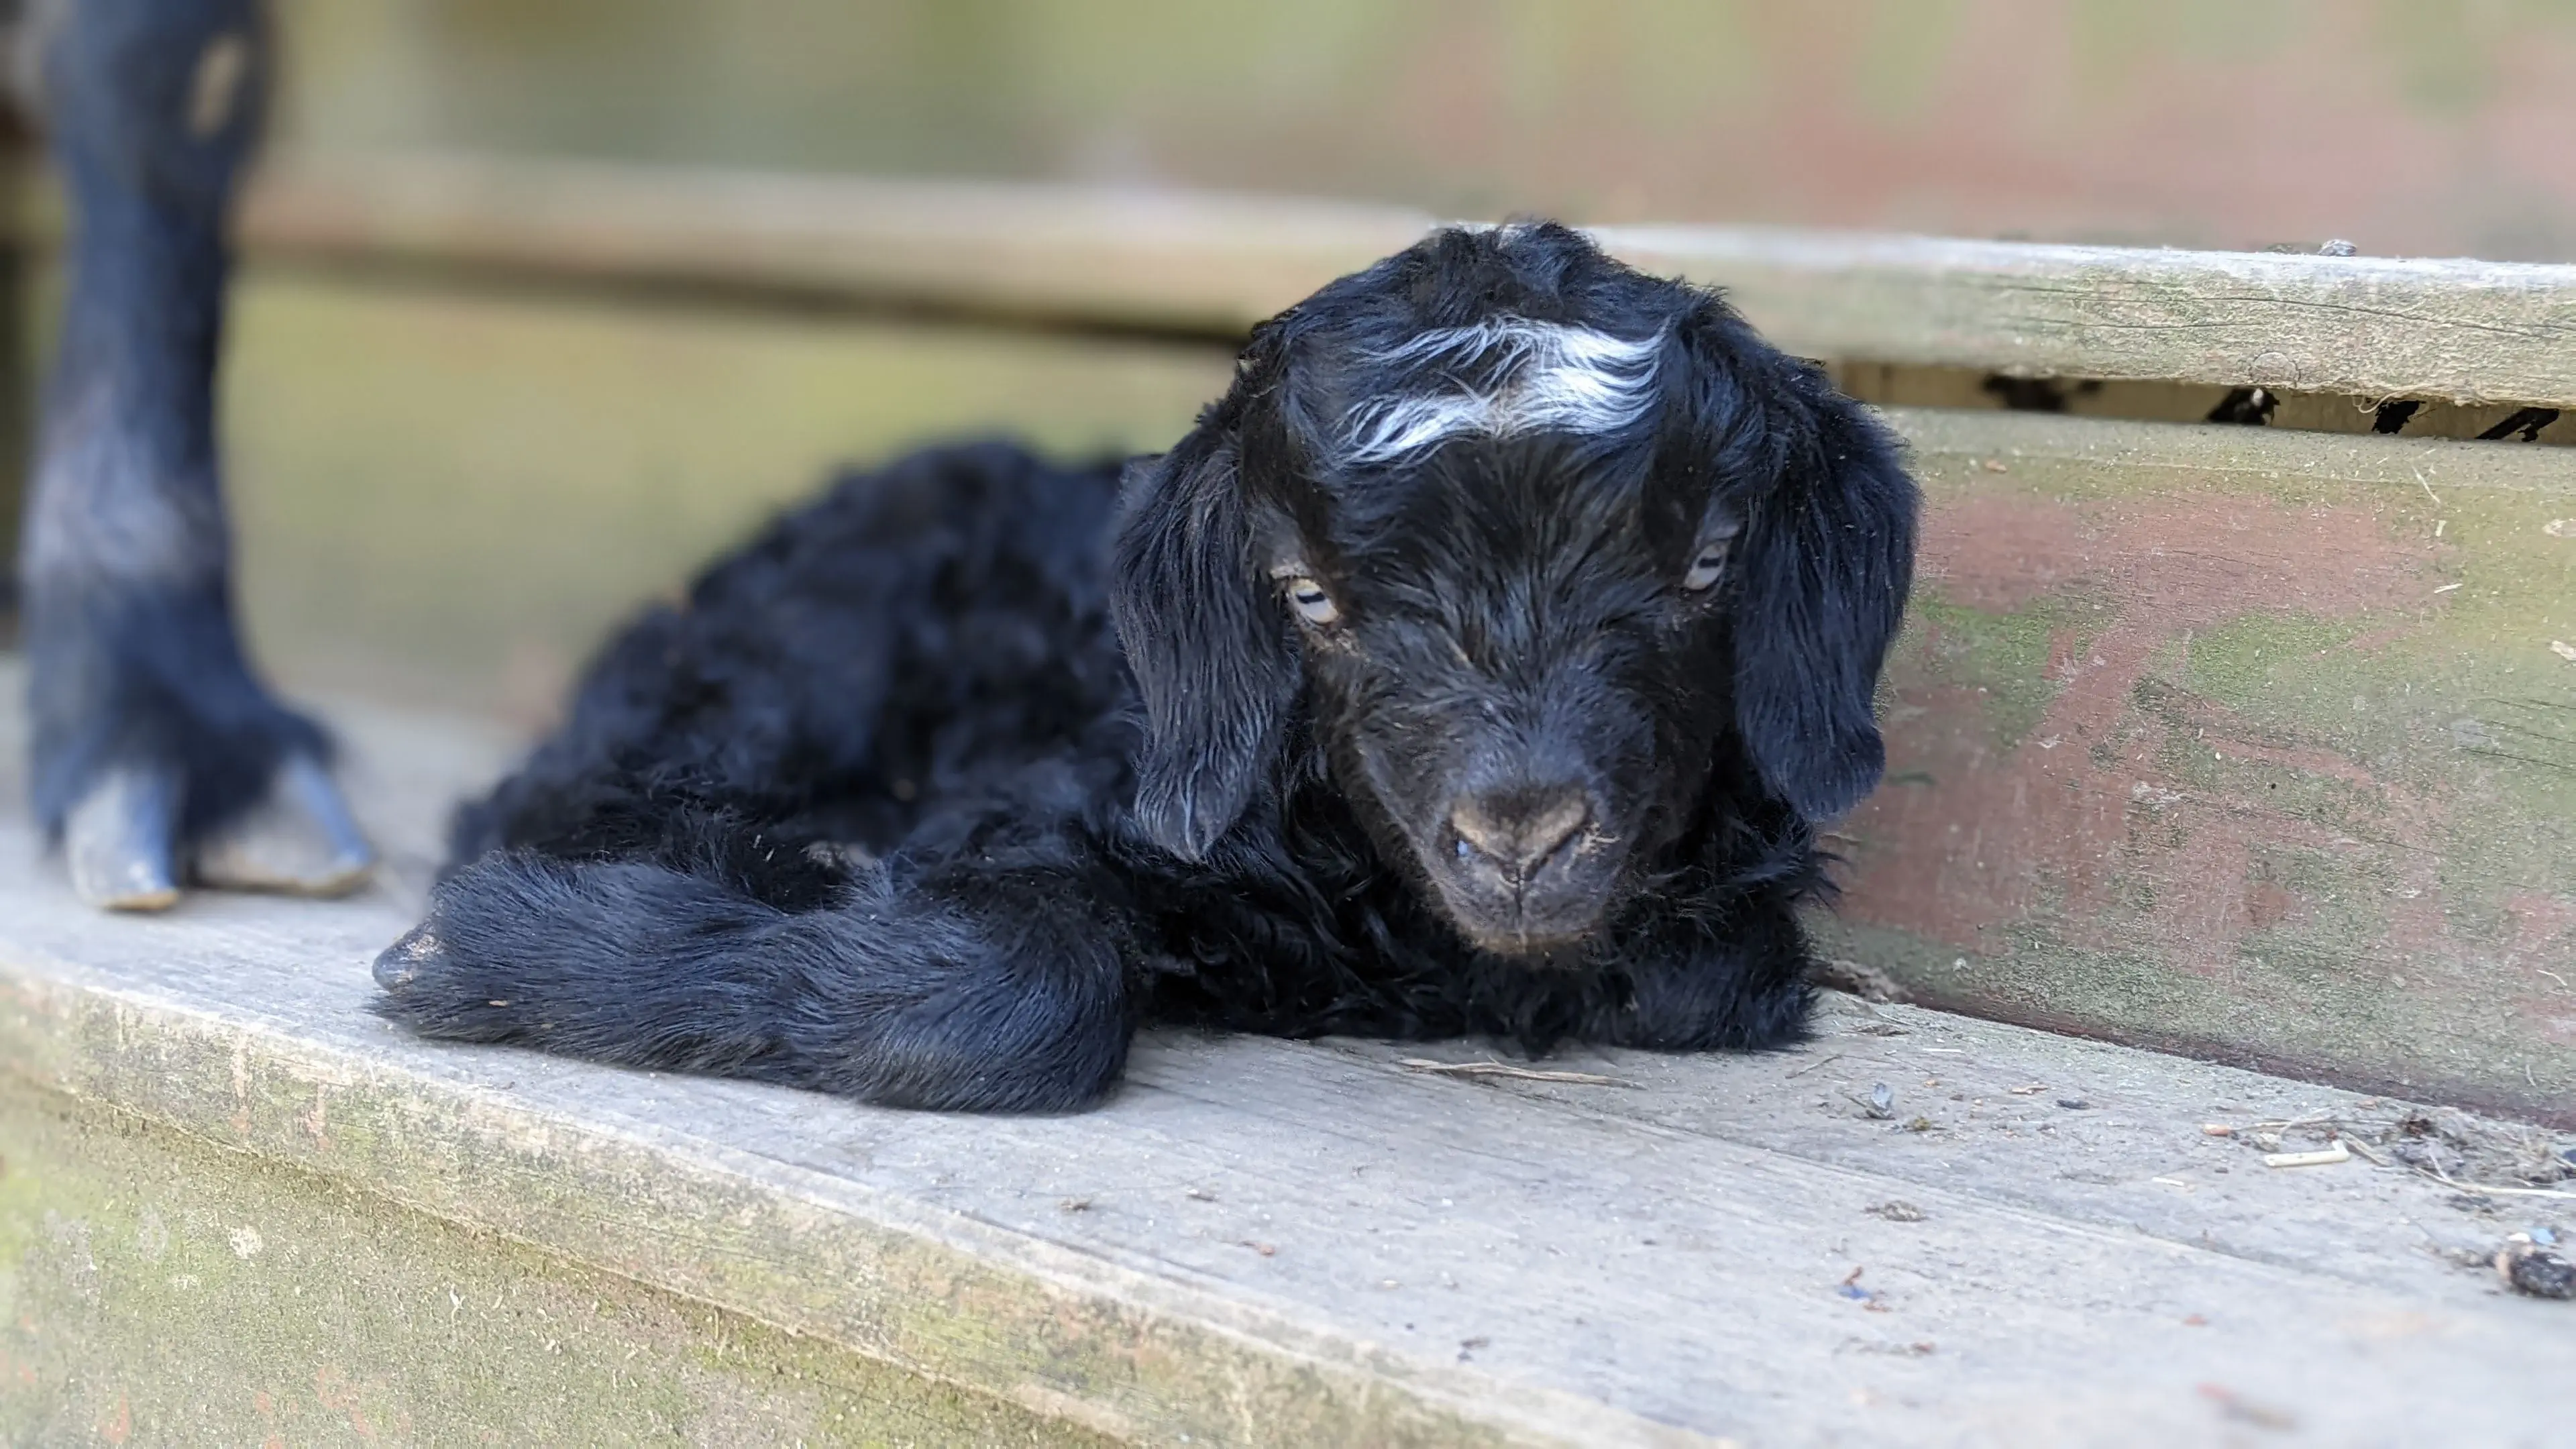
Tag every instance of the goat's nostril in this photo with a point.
(1519, 830)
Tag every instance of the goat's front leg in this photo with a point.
(158, 754)
(1732, 978)
(969, 988)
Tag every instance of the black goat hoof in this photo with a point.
(401, 963)
(299, 839)
(119, 840)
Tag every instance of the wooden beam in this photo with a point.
(2453, 329)
(2456, 330)
(1154, 261)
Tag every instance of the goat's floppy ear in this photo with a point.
(1823, 566)
(1203, 633)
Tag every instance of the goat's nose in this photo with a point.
(1520, 830)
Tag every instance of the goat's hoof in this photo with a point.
(401, 963)
(299, 839)
(118, 840)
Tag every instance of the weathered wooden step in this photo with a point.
(237, 1206)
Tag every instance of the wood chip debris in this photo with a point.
(2528, 1267)
(1506, 1069)
(2345, 1140)
(2333, 1153)
(1879, 1105)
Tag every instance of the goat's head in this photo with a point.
(1532, 547)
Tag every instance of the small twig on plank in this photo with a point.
(2324, 1120)
(2345, 1139)
(1506, 1069)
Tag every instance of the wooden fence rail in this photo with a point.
(2453, 330)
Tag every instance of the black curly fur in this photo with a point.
(946, 782)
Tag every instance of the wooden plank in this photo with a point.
(2376, 327)
(160, 1290)
(1263, 1242)
(1176, 261)
(2245, 742)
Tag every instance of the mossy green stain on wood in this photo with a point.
(2004, 659)
(155, 1290)
(2299, 792)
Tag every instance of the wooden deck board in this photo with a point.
(1267, 1242)
(2436, 328)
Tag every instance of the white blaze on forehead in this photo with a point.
(1501, 378)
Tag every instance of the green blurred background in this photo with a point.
(446, 492)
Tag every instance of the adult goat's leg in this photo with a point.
(157, 752)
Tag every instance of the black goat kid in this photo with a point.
(1499, 637)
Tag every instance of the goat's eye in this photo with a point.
(1311, 602)
(1705, 569)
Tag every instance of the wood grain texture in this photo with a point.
(2445, 329)
(1263, 1242)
